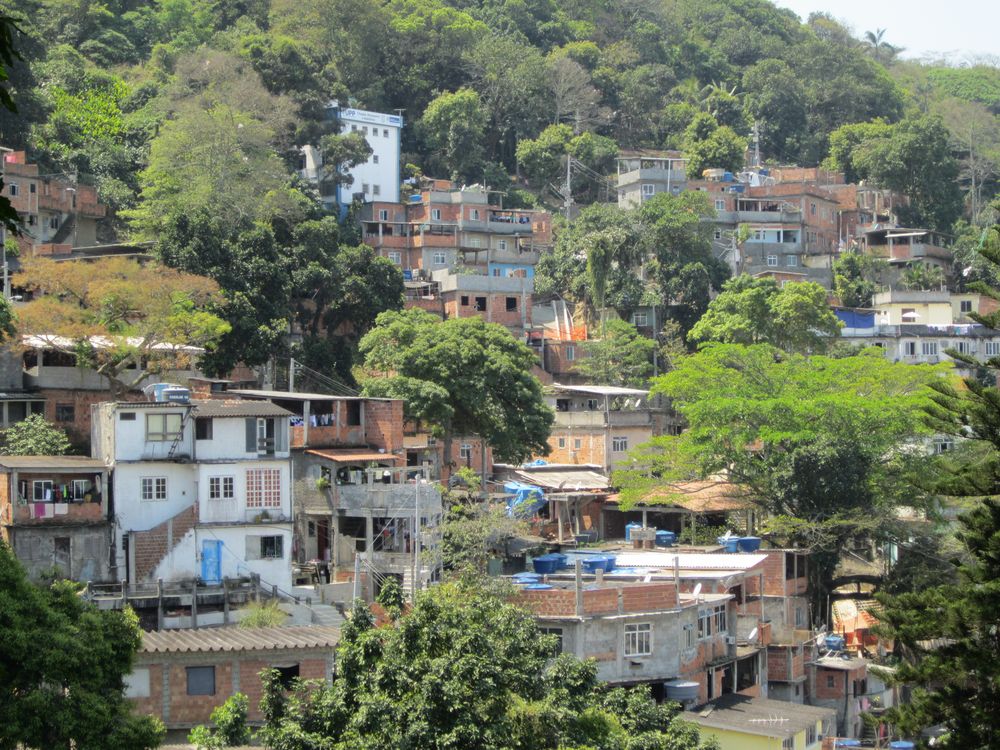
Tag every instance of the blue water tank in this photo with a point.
(538, 586)
(416, 198)
(902, 745)
(609, 563)
(545, 564)
(562, 561)
(834, 643)
(749, 543)
(728, 177)
(731, 543)
(665, 538)
(847, 743)
(628, 530)
(594, 563)
(526, 577)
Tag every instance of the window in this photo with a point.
(648, 189)
(966, 305)
(909, 348)
(31, 220)
(718, 234)
(265, 547)
(464, 300)
(501, 244)
(570, 353)
(137, 683)
(558, 633)
(287, 675)
(964, 347)
(791, 260)
(719, 619)
(465, 452)
(436, 214)
(80, 488)
(788, 743)
(53, 222)
(396, 257)
(385, 133)
(383, 214)
(640, 320)
(810, 735)
(203, 428)
(354, 128)
(577, 443)
(639, 639)
(32, 188)
(831, 681)
(992, 348)
(800, 617)
(689, 636)
(154, 488)
(812, 208)
(221, 488)
(374, 158)
(263, 488)
(376, 190)
(474, 214)
(440, 259)
(929, 348)
(200, 680)
(163, 427)
(720, 204)
(619, 444)
(481, 304)
(511, 304)
(126, 416)
(41, 490)
(13, 189)
(772, 260)
(562, 442)
(365, 187)
(65, 412)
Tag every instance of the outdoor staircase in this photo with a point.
(326, 614)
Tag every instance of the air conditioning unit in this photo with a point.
(730, 640)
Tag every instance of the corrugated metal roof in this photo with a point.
(566, 480)
(205, 640)
(52, 462)
(238, 408)
(347, 454)
(688, 561)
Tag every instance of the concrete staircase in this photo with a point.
(326, 614)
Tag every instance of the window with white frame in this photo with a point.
(720, 204)
(365, 187)
(41, 490)
(153, 488)
(436, 214)
(689, 640)
(12, 189)
(992, 348)
(465, 452)
(965, 305)
(639, 319)
(788, 743)
(963, 347)
(501, 244)
(163, 427)
(772, 260)
(648, 189)
(909, 348)
(383, 214)
(376, 189)
(440, 259)
(929, 348)
(474, 214)
(943, 444)
(562, 442)
(221, 488)
(719, 619)
(791, 260)
(619, 444)
(263, 488)
(577, 443)
(395, 256)
(374, 158)
(638, 639)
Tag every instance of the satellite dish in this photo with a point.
(752, 636)
(697, 590)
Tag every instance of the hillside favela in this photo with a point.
(499, 375)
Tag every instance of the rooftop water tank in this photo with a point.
(749, 543)
(545, 564)
(665, 538)
(847, 743)
(681, 691)
(834, 643)
(175, 394)
(731, 543)
(594, 563)
(538, 586)
(609, 563)
(628, 530)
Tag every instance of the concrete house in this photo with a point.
(202, 489)
(741, 723)
(54, 513)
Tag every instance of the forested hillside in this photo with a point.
(187, 114)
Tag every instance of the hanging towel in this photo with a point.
(50, 510)
(38, 510)
(61, 509)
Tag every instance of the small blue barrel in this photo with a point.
(609, 563)
(594, 563)
(731, 543)
(526, 578)
(628, 530)
(665, 538)
(834, 643)
(749, 543)
(902, 745)
(545, 564)
(562, 561)
(538, 586)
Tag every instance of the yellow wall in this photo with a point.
(931, 313)
(731, 739)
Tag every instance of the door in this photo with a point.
(211, 561)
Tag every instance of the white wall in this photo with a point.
(229, 440)
(235, 510)
(385, 173)
(130, 435)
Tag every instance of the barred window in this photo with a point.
(639, 639)
(264, 488)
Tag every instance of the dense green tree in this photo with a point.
(454, 126)
(814, 441)
(229, 726)
(464, 667)
(856, 278)
(35, 436)
(485, 371)
(708, 145)
(794, 317)
(473, 533)
(620, 356)
(63, 665)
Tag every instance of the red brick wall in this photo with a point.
(496, 308)
(151, 546)
(384, 424)
(774, 572)
(552, 602)
(250, 686)
(591, 450)
(649, 598)
(79, 428)
(600, 602)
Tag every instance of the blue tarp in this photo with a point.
(856, 318)
(525, 500)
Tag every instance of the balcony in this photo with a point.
(603, 419)
(652, 174)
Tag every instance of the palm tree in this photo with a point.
(881, 50)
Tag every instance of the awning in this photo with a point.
(354, 456)
(566, 480)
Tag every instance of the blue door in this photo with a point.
(211, 561)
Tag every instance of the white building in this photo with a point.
(201, 489)
(375, 180)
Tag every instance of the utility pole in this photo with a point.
(569, 185)
(756, 144)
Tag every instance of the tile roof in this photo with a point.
(238, 408)
(760, 716)
(205, 640)
(84, 463)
